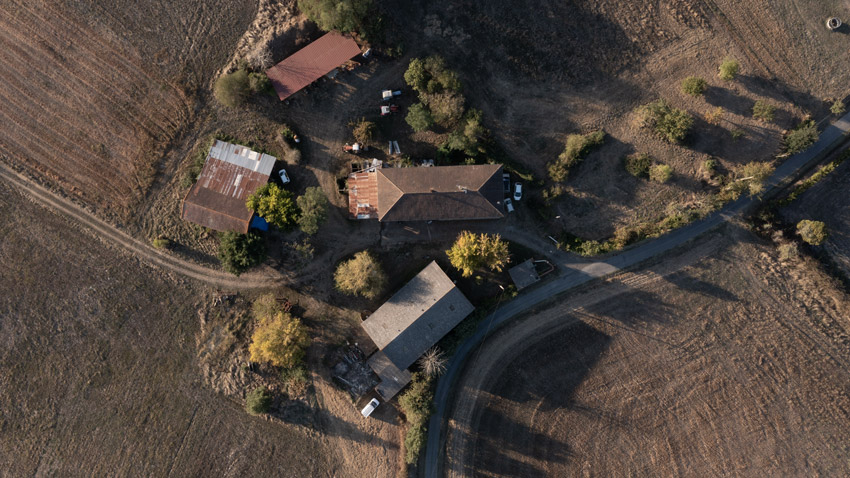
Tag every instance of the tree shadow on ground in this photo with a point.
(688, 282)
(540, 381)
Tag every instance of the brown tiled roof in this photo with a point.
(231, 173)
(441, 193)
(311, 62)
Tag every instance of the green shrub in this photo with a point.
(259, 82)
(314, 209)
(576, 147)
(728, 69)
(736, 134)
(638, 164)
(714, 116)
(419, 118)
(232, 89)
(670, 123)
(750, 179)
(161, 243)
(812, 232)
(342, 15)
(258, 401)
(838, 107)
(417, 404)
(660, 173)
(763, 111)
(801, 138)
(710, 166)
(414, 441)
(694, 86)
(240, 252)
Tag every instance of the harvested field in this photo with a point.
(829, 202)
(91, 106)
(100, 375)
(730, 365)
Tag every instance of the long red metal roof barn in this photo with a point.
(311, 62)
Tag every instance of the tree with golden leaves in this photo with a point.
(360, 275)
(279, 338)
(475, 251)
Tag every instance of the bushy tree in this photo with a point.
(575, 148)
(232, 89)
(728, 69)
(240, 252)
(361, 275)
(694, 86)
(446, 107)
(314, 209)
(474, 251)
(660, 173)
(802, 137)
(638, 164)
(363, 131)
(670, 123)
(812, 232)
(258, 401)
(469, 135)
(341, 15)
(280, 340)
(430, 75)
(763, 111)
(419, 117)
(838, 107)
(274, 204)
(258, 82)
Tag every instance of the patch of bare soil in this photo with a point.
(733, 364)
(829, 202)
(107, 368)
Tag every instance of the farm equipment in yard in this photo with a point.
(353, 148)
(388, 109)
(387, 95)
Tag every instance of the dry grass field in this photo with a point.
(733, 365)
(101, 373)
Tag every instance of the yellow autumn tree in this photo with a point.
(475, 251)
(279, 338)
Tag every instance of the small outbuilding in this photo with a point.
(230, 174)
(311, 63)
(524, 274)
(411, 322)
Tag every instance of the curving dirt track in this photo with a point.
(734, 365)
(254, 280)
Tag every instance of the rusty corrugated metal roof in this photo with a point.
(311, 62)
(231, 173)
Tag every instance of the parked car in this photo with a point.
(517, 191)
(284, 178)
(509, 205)
(370, 407)
(506, 178)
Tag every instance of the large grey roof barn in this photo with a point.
(417, 316)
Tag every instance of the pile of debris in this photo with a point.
(352, 373)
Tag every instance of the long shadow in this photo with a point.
(539, 382)
(685, 281)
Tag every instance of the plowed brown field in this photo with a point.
(732, 366)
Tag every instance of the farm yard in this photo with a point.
(693, 366)
(689, 367)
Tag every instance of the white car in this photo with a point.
(284, 178)
(517, 191)
(370, 407)
(509, 205)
